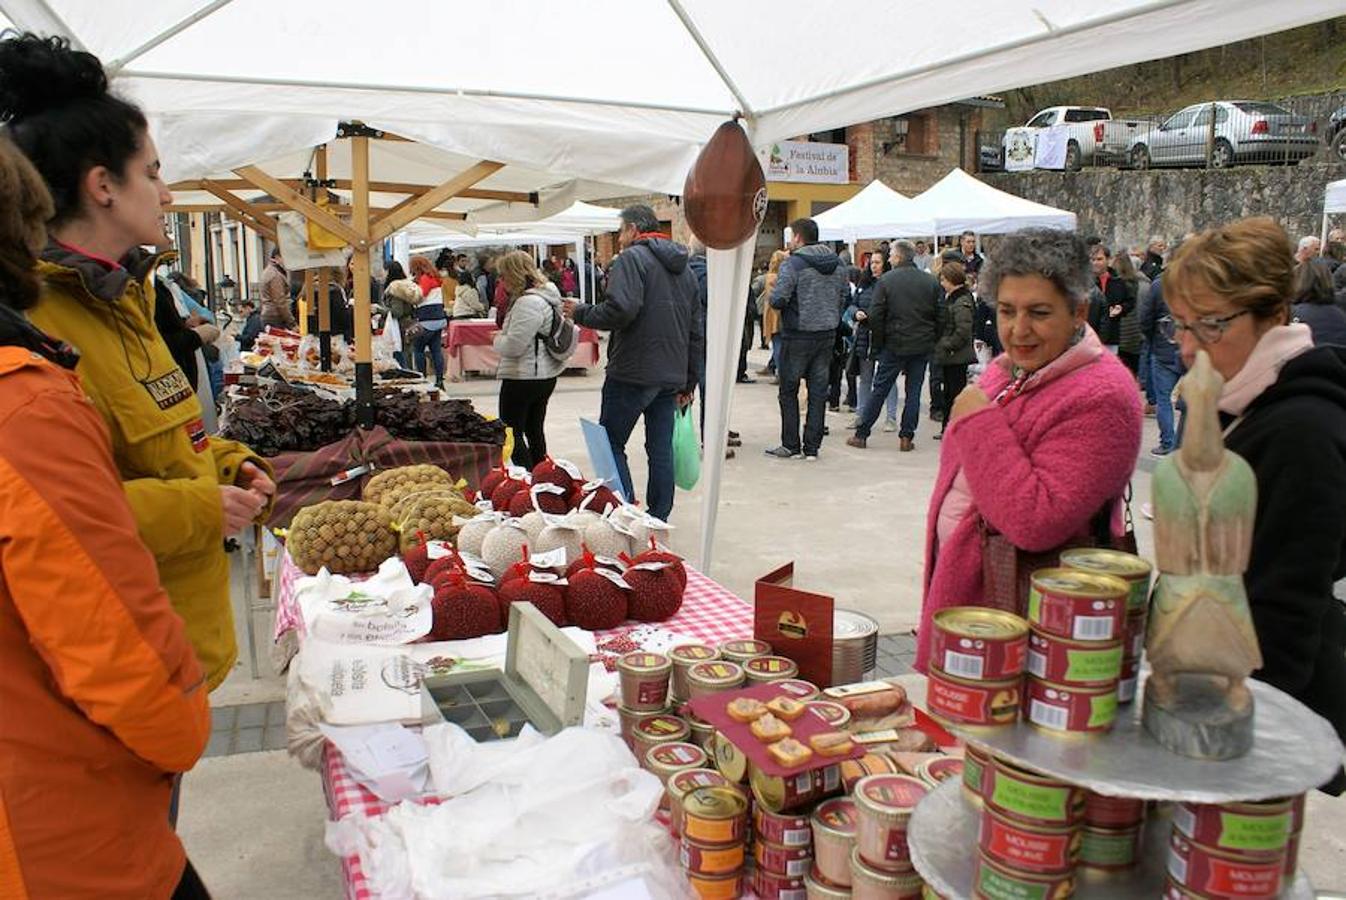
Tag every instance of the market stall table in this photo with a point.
(709, 613)
(468, 344)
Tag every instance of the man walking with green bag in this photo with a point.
(655, 355)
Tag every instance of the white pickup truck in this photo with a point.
(1093, 135)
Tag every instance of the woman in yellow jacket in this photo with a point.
(188, 490)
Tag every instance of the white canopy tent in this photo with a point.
(958, 202)
(231, 82)
(1334, 201)
(878, 211)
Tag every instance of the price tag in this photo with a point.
(546, 578)
(569, 468)
(651, 566)
(551, 559)
(437, 550)
(614, 577)
(547, 487)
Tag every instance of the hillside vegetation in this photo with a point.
(1307, 60)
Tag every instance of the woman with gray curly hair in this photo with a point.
(1044, 442)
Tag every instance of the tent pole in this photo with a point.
(584, 282)
(364, 357)
(324, 298)
(1322, 243)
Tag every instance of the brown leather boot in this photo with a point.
(906, 445)
(856, 441)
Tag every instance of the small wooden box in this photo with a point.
(545, 683)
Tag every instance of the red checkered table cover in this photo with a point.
(709, 613)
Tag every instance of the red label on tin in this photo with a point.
(690, 781)
(714, 670)
(771, 665)
(677, 755)
(1014, 656)
(966, 703)
(839, 814)
(1040, 852)
(660, 726)
(693, 652)
(643, 660)
(1230, 879)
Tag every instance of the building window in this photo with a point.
(914, 134)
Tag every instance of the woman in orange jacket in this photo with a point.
(102, 699)
(188, 490)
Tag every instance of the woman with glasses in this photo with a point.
(1283, 406)
(1041, 448)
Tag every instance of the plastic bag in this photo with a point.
(686, 450)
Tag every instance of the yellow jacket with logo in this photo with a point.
(170, 468)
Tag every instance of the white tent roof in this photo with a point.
(959, 202)
(878, 211)
(579, 219)
(580, 94)
(1335, 198)
(423, 235)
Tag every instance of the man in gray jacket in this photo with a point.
(904, 321)
(656, 352)
(811, 291)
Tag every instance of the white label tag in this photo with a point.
(620, 527)
(610, 562)
(546, 578)
(349, 474)
(551, 559)
(569, 468)
(485, 506)
(482, 575)
(514, 523)
(651, 566)
(855, 690)
(876, 737)
(614, 577)
(437, 550)
(547, 487)
(593, 485)
(518, 473)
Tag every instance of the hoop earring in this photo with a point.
(108, 204)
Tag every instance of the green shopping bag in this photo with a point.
(686, 450)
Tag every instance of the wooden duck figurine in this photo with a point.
(1201, 643)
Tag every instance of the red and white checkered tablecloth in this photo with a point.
(709, 613)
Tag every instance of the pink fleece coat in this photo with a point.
(1039, 468)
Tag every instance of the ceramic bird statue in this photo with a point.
(1201, 636)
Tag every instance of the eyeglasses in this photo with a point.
(1207, 329)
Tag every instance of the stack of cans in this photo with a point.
(645, 681)
(782, 852)
(1030, 834)
(1136, 573)
(683, 657)
(714, 839)
(881, 864)
(977, 665)
(1074, 650)
(835, 823)
(1112, 833)
(1230, 849)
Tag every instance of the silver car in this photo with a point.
(1245, 131)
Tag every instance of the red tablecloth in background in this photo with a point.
(469, 346)
(709, 613)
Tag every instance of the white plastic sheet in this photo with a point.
(560, 817)
(389, 608)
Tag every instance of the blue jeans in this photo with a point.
(434, 342)
(623, 405)
(866, 388)
(775, 353)
(885, 379)
(806, 359)
(1145, 367)
(1163, 380)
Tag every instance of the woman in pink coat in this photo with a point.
(1045, 439)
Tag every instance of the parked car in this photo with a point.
(1093, 135)
(1244, 131)
(1336, 134)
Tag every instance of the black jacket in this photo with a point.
(904, 315)
(654, 314)
(1152, 266)
(252, 327)
(1294, 437)
(956, 313)
(183, 342)
(1115, 293)
(1327, 321)
(1153, 310)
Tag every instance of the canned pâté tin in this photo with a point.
(798, 689)
(683, 657)
(1069, 710)
(993, 881)
(979, 644)
(1209, 872)
(665, 759)
(976, 773)
(766, 669)
(1129, 567)
(1102, 811)
(1248, 830)
(680, 784)
(657, 729)
(1029, 797)
(869, 883)
(790, 862)
(644, 680)
(834, 828)
(972, 703)
(885, 804)
(715, 815)
(1074, 663)
(1076, 605)
(769, 886)
(1044, 850)
(853, 770)
(730, 760)
(713, 677)
(834, 714)
(1110, 849)
(786, 829)
(791, 792)
(717, 887)
(711, 859)
(744, 650)
(1126, 685)
(935, 772)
